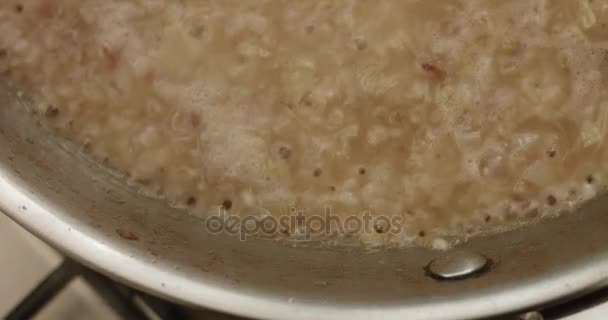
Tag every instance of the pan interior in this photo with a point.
(54, 191)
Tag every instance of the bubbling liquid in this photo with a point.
(457, 116)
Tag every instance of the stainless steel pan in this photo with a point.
(71, 203)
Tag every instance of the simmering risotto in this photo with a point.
(457, 116)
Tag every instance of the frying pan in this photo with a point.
(57, 193)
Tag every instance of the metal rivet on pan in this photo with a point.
(534, 315)
(457, 265)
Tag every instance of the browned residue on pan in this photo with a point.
(128, 235)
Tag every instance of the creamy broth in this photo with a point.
(457, 116)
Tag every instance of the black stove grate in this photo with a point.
(127, 303)
(132, 304)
